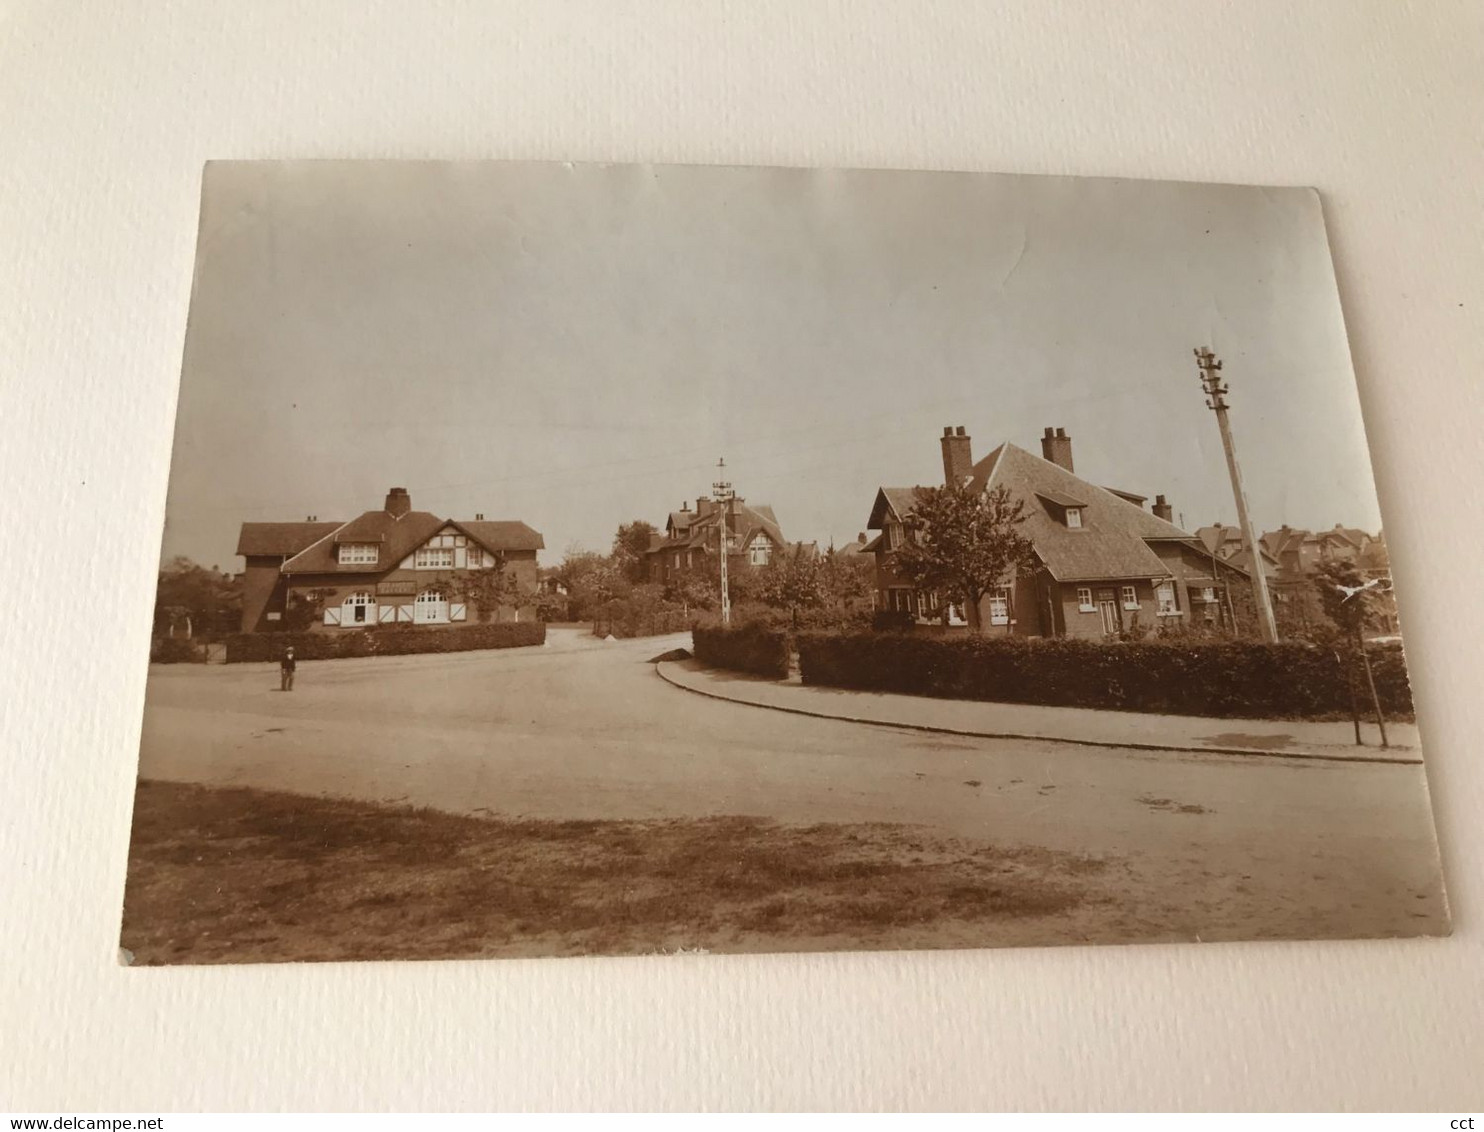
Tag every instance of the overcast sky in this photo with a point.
(575, 346)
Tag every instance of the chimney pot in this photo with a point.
(1048, 434)
(947, 430)
(1061, 432)
(960, 432)
(1163, 510)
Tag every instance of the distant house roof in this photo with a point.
(1112, 542)
(696, 529)
(280, 539)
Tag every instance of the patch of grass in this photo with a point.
(241, 875)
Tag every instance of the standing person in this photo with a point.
(286, 670)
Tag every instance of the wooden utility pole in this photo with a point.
(721, 491)
(1210, 368)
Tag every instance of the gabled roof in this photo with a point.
(284, 539)
(396, 535)
(745, 523)
(1112, 543)
(893, 501)
(501, 534)
(1219, 538)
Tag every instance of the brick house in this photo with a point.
(1104, 564)
(391, 566)
(1300, 553)
(690, 539)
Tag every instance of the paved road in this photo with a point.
(1224, 847)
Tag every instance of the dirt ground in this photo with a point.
(1186, 846)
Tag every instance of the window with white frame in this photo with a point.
(1208, 593)
(893, 536)
(1130, 598)
(1164, 595)
(1074, 517)
(476, 557)
(358, 554)
(759, 550)
(999, 606)
(433, 558)
(358, 609)
(901, 600)
(1084, 599)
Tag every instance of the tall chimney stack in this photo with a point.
(1056, 446)
(398, 502)
(958, 455)
(1162, 509)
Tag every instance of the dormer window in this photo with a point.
(759, 551)
(358, 554)
(1074, 517)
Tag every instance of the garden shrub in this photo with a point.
(750, 648)
(175, 650)
(384, 641)
(1229, 678)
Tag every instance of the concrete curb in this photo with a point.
(1249, 752)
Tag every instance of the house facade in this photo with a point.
(1104, 565)
(691, 538)
(395, 566)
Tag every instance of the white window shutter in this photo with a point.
(332, 615)
(456, 612)
(404, 613)
(386, 613)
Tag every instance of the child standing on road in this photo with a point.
(286, 670)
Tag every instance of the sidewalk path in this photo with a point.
(1280, 738)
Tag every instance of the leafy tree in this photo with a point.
(847, 579)
(791, 581)
(191, 600)
(630, 547)
(592, 580)
(961, 544)
(304, 608)
(488, 589)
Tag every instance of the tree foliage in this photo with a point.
(791, 581)
(191, 600)
(961, 543)
(488, 589)
(630, 548)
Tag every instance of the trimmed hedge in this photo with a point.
(1227, 678)
(751, 648)
(384, 642)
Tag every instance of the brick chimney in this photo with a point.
(1162, 509)
(1056, 446)
(398, 502)
(958, 455)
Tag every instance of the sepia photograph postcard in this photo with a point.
(630, 560)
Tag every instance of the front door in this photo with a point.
(1108, 610)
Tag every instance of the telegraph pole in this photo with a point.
(721, 491)
(1210, 367)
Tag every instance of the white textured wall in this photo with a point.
(106, 114)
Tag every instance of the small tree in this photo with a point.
(847, 580)
(304, 608)
(1352, 602)
(962, 544)
(791, 581)
(631, 549)
(488, 588)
